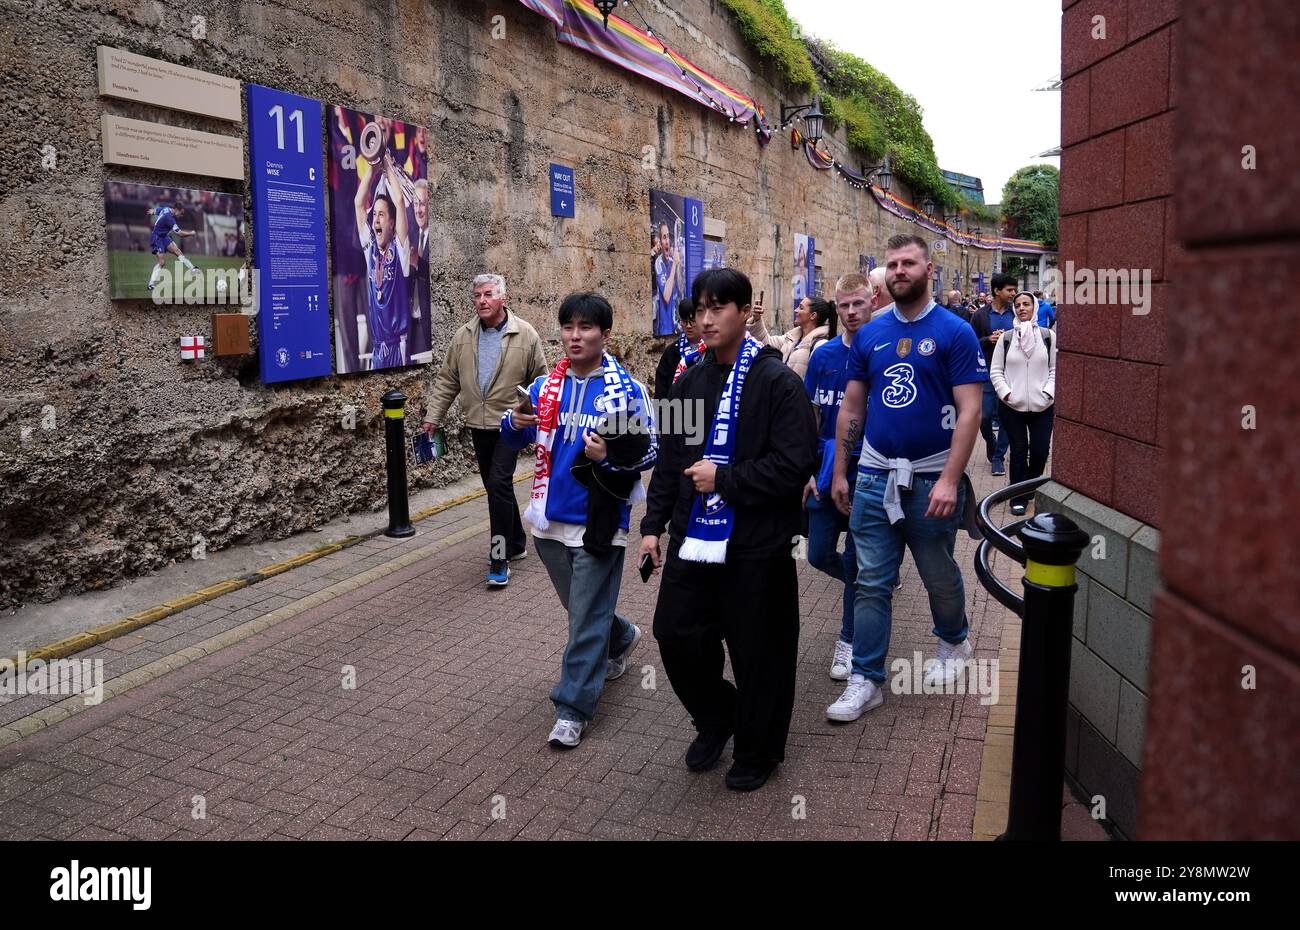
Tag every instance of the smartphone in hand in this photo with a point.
(525, 400)
(647, 567)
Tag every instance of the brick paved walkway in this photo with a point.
(448, 720)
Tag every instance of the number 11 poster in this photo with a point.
(288, 175)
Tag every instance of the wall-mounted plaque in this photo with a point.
(148, 80)
(171, 148)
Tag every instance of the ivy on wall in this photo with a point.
(878, 118)
(770, 31)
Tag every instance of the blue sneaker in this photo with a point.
(999, 468)
(498, 573)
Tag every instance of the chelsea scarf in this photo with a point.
(712, 518)
(616, 397)
(688, 355)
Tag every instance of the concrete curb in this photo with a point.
(63, 648)
(48, 716)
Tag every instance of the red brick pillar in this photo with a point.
(1223, 729)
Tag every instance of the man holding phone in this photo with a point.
(489, 357)
(587, 390)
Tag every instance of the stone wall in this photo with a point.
(146, 454)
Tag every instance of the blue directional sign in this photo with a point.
(288, 174)
(561, 190)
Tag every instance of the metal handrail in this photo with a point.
(999, 538)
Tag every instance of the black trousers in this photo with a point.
(496, 466)
(754, 607)
(1030, 436)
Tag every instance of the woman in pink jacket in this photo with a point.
(814, 323)
(1024, 376)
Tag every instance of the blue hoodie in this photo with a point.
(566, 499)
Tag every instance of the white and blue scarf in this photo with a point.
(712, 518)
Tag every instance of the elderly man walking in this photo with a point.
(489, 357)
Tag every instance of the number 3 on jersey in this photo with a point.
(900, 391)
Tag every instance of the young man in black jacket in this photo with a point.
(731, 501)
(688, 339)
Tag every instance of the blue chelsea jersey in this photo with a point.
(910, 370)
(827, 375)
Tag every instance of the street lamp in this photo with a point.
(881, 173)
(953, 220)
(812, 120)
(606, 7)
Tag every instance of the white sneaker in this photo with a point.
(566, 733)
(614, 668)
(948, 662)
(842, 660)
(859, 697)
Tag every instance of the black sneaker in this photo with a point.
(706, 749)
(748, 777)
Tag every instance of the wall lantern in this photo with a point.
(813, 120)
(606, 7)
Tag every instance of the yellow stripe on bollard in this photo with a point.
(1049, 576)
(396, 413)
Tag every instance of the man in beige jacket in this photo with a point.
(489, 357)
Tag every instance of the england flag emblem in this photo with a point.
(191, 348)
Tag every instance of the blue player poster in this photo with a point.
(380, 241)
(804, 279)
(288, 175)
(676, 255)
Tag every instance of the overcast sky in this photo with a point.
(940, 52)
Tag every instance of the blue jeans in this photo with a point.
(880, 552)
(996, 448)
(588, 588)
(825, 523)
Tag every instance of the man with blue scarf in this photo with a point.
(731, 502)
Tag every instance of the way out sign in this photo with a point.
(561, 190)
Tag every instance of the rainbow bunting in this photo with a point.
(579, 23)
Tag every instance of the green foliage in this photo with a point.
(863, 125)
(974, 210)
(770, 31)
(878, 118)
(1031, 201)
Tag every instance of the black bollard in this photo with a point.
(1053, 545)
(399, 512)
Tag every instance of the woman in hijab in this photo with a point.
(1024, 376)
